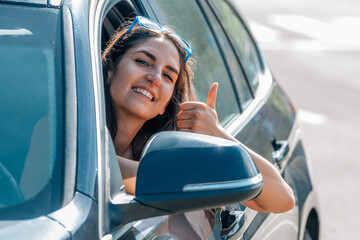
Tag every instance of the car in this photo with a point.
(59, 176)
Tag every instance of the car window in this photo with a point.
(31, 110)
(189, 22)
(241, 40)
(242, 87)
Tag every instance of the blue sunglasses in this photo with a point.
(150, 24)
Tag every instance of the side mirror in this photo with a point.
(181, 172)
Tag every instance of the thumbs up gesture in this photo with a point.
(211, 101)
(201, 118)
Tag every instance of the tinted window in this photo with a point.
(241, 40)
(190, 23)
(244, 93)
(31, 109)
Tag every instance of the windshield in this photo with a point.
(31, 110)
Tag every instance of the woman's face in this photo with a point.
(144, 80)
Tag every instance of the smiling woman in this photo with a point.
(148, 89)
(147, 77)
(141, 87)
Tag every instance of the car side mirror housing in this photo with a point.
(181, 172)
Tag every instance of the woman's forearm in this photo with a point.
(128, 170)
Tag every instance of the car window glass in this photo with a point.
(242, 86)
(189, 22)
(31, 109)
(241, 40)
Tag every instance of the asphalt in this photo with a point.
(313, 49)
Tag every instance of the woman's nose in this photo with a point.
(154, 79)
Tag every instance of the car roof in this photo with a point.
(47, 3)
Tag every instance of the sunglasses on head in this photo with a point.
(150, 24)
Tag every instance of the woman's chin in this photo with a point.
(143, 115)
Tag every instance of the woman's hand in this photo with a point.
(197, 117)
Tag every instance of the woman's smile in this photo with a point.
(145, 92)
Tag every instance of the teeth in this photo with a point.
(143, 92)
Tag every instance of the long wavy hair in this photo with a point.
(117, 46)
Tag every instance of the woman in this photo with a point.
(148, 88)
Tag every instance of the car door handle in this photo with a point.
(232, 221)
(281, 149)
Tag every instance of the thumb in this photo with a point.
(211, 101)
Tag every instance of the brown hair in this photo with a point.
(117, 46)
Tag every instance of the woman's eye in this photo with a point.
(142, 62)
(168, 77)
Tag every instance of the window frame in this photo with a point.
(70, 111)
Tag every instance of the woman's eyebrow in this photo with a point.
(172, 69)
(152, 57)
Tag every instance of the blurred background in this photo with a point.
(313, 49)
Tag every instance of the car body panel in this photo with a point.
(79, 217)
(86, 132)
(41, 227)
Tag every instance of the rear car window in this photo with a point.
(241, 84)
(241, 40)
(31, 110)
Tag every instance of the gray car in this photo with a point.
(59, 177)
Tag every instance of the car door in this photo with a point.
(263, 116)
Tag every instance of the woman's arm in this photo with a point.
(198, 117)
(128, 170)
(276, 195)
